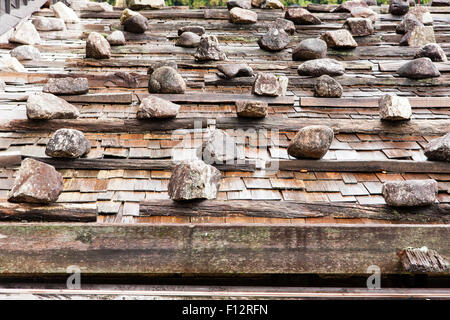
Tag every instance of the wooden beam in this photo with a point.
(400, 166)
(110, 98)
(134, 164)
(10, 159)
(41, 249)
(52, 212)
(416, 102)
(220, 98)
(293, 209)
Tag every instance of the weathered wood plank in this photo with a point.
(416, 102)
(48, 213)
(112, 98)
(134, 164)
(423, 260)
(220, 98)
(393, 66)
(40, 249)
(292, 209)
(401, 166)
(10, 159)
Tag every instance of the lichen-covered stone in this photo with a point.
(311, 142)
(339, 39)
(274, 40)
(419, 36)
(251, 109)
(243, 16)
(126, 14)
(393, 107)
(66, 86)
(301, 16)
(420, 68)
(188, 40)
(423, 14)
(244, 4)
(234, 70)
(64, 12)
(361, 12)
(438, 149)
(163, 63)
(25, 33)
(410, 193)
(209, 50)
(154, 107)
(432, 51)
(116, 38)
(318, 67)
(218, 148)
(45, 106)
(310, 49)
(36, 182)
(284, 24)
(347, 6)
(272, 4)
(48, 24)
(194, 180)
(268, 84)
(136, 24)
(97, 46)
(360, 27)
(408, 24)
(166, 80)
(327, 87)
(145, 4)
(26, 52)
(11, 64)
(195, 29)
(68, 143)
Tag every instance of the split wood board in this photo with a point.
(416, 102)
(40, 249)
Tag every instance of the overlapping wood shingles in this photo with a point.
(117, 193)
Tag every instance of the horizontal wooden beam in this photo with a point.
(415, 127)
(416, 102)
(10, 159)
(401, 166)
(293, 209)
(40, 249)
(53, 212)
(134, 164)
(220, 98)
(111, 98)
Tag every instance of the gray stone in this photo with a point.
(268, 84)
(68, 143)
(159, 64)
(36, 182)
(244, 4)
(45, 106)
(26, 52)
(359, 27)
(419, 36)
(243, 16)
(251, 109)
(301, 16)
(145, 4)
(194, 180)
(347, 6)
(284, 24)
(410, 193)
(311, 142)
(361, 12)
(209, 50)
(25, 33)
(126, 14)
(272, 4)
(48, 24)
(408, 24)
(310, 49)
(195, 29)
(327, 87)
(438, 149)
(11, 64)
(166, 80)
(153, 107)
(64, 12)
(274, 40)
(218, 148)
(398, 7)
(393, 107)
(116, 38)
(432, 51)
(423, 15)
(234, 70)
(136, 24)
(318, 67)
(420, 68)
(188, 40)
(97, 47)
(339, 39)
(67, 86)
